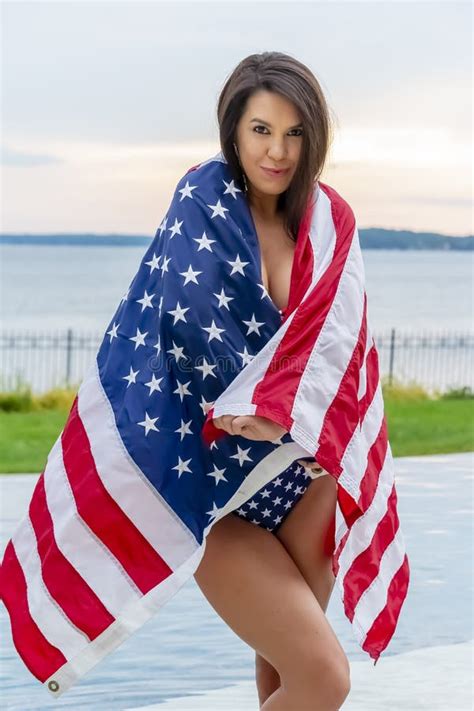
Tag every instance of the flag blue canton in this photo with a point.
(116, 521)
(193, 316)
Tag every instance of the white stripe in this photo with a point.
(53, 624)
(132, 618)
(360, 538)
(355, 458)
(350, 478)
(341, 529)
(331, 352)
(322, 236)
(374, 599)
(340, 525)
(237, 397)
(94, 563)
(128, 486)
(363, 528)
(363, 370)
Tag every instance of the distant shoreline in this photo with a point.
(371, 238)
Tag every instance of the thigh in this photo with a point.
(307, 533)
(254, 585)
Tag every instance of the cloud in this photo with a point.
(10, 156)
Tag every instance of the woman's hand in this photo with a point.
(250, 426)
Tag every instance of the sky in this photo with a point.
(105, 105)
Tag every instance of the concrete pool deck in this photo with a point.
(434, 678)
(187, 659)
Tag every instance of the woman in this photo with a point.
(131, 503)
(272, 584)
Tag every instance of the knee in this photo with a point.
(336, 675)
(328, 678)
(341, 679)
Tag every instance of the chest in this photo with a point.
(277, 251)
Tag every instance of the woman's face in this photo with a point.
(269, 135)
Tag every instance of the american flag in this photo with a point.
(138, 476)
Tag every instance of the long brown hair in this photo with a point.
(281, 73)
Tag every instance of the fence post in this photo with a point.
(68, 356)
(392, 355)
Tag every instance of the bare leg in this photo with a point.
(253, 583)
(290, 699)
(266, 676)
(304, 533)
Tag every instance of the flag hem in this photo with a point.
(133, 617)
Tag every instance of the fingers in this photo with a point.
(221, 422)
(229, 424)
(250, 426)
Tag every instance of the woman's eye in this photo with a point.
(293, 129)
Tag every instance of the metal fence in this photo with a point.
(438, 361)
(46, 359)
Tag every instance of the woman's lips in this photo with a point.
(274, 173)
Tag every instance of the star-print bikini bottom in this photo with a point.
(270, 505)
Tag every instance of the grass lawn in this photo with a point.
(430, 426)
(415, 427)
(27, 437)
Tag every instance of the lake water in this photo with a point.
(58, 287)
(49, 289)
(188, 649)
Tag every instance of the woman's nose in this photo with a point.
(277, 150)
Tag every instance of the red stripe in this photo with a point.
(209, 432)
(74, 596)
(301, 274)
(340, 548)
(350, 509)
(282, 378)
(365, 567)
(375, 462)
(356, 577)
(372, 380)
(41, 657)
(193, 167)
(103, 515)
(370, 479)
(385, 623)
(303, 262)
(342, 417)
